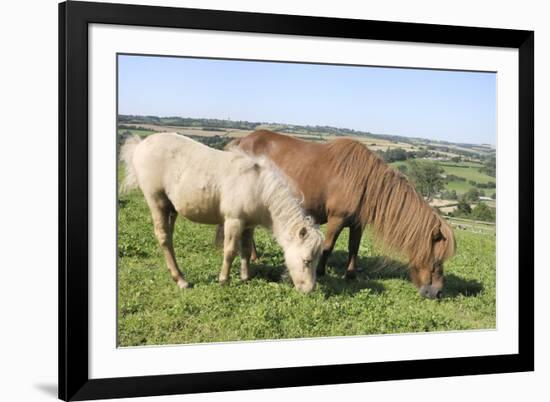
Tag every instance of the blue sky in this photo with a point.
(444, 105)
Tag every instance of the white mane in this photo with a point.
(278, 194)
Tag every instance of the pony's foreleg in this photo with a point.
(233, 229)
(247, 245)
(355, 233)
(164, 218)
(334, 227)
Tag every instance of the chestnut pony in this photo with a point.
(344, 184)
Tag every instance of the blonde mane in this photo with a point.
(402, 220)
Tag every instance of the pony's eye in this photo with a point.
(438, 236)
(307, 262)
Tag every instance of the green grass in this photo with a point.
(152, 310)
(460, 187)
(467, 170)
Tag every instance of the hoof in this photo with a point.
(224, 282)
(245, 278)
(183, 284)
(350, 275)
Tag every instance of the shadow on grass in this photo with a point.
(269, 273)
(456, 286)
(379, 267)
(370, 271)
(122, 202)
(332, 285)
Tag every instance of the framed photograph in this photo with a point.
(258, 200)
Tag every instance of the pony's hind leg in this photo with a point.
(218, 238)
(164, 217)
(246, 252)
(254, 252)
(232, 234)
(218, 242)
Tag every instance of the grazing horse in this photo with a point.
(180, 176)
(344, 184)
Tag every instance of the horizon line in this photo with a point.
(306, 125)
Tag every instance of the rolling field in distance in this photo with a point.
(466, 169)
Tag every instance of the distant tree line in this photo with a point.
(443, 148)
(213, 129)
(216, 141)
(126, 127)
(394, 155)
(188, 122)
(480, 212)
(399, 154)
(490, 184)
(452, 177)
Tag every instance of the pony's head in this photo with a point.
(298, 235)
(302, 253)
(426, 267)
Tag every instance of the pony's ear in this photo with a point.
(303, 232)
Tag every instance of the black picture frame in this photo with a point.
(74, 381)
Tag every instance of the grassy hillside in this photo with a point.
(470, 171)
(153, 311)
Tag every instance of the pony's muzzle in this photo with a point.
(430, 292)
(305, 287)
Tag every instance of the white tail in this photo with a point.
(126, 155)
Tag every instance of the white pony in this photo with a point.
(179, 175)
